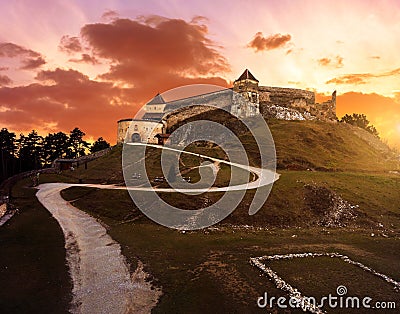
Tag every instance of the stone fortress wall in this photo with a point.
(295, 104)
(270, 102)
(285, 96)
(139, 130)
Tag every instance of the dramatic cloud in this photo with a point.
(31, 64)
(4, 68)
(155, 53)
(261, 43)
(70, 44)
(361, 78)
(109, 15)
(11, 50)
(5, 80)
(147, 56)
(336, 62)
(30, 59)
(85, 58)
(155, 44)
(67, 98)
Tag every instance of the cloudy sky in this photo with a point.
(89, 63)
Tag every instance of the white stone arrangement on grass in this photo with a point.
(295, 293)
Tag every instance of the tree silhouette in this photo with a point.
(55, 145)
(100, 144)
(77, 146)
(33, 152)
(8, 149)
(30, 151)
(361, 121)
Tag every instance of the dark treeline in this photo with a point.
(361, 121)
(32, 152)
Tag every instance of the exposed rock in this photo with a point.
(284, 113)
(335, 211)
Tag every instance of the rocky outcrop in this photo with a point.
(286, 97)
(283, 113)
(333, 209)
(298, 104)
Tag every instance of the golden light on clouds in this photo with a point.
(97, 64)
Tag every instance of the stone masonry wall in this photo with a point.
(185, 113)
(301, 101)
(285, 97)
(220, 99)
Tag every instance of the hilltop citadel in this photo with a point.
(270, 102)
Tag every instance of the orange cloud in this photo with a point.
(85, 58)
(151, 58)
(68, 99)
(169, 45)
(361, 78)
(109, 15)
(261, 43)
(5, 80)
(31, 64)
(397, 97)
(30, 59)
(11, 50)
(70, 44)
(336, 62)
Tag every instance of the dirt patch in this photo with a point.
(333, 209)
(228, 276)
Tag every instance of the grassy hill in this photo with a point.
(322, 165)
(323, 146)
(347, 202)
(300, 145)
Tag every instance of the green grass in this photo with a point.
(107, 169)
(377, 197)
(329, 146)
(33, 273)
(209, 271)
(300, 145)
(320, 276)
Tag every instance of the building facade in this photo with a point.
(248, 100)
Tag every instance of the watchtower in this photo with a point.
(247, 87)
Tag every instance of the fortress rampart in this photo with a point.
(270, 102)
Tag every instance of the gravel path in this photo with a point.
(264, 176)
(101, 279)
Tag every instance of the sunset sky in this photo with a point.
(90, 63)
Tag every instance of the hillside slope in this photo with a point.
(300, 145)
(318, 145)
(346, 171)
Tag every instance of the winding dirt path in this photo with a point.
(264, 176)
(101, 279)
